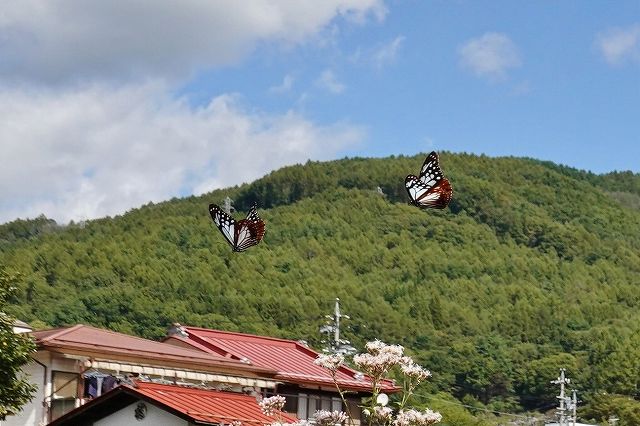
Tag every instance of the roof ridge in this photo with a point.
(105, 330)
(237, 333)
(62, 332)
(203, 345)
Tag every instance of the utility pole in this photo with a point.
(573, 405)
(336, 345)
(227, 207)
(562, 409)
(337, 315)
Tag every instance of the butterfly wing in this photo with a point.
(249, 231)
(425, 196)
(430, 189)
(431, 174)
(225, 223)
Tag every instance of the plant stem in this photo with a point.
(341, 392)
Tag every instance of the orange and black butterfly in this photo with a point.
(430, 189)
(241, 234)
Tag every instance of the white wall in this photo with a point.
(32, 413)
(155, 417)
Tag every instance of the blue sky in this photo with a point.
(562, 101)
(111, 105)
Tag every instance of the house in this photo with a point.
(308, 387)
(168, 405)
(75, 364)
(79, 368)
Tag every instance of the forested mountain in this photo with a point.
(533, 267)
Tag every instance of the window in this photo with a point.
(302, 406)
(65, 392)
(336, 404)
(309, 404)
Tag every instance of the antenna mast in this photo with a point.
(332, 326)
(572, 404)
(227, 205)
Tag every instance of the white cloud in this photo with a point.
(69, 40)
(378, 56)
(619, 45)
(490, 55)
(287, 84)
(328, 81)
(89, 123)
(100, 151)
(386, 53)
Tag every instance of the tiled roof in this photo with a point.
(293, 361)
(199, 406)
(111, 345)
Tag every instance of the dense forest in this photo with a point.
(533, 267)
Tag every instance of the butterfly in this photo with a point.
(430, 189)
(241, 234)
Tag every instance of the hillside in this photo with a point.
(533, 267)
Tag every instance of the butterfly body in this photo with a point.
(240, 234)
(430, 189)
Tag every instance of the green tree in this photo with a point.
(603, 406)
(533, 267)
(15, 351)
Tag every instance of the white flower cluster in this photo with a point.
(417, 418)
(330, 362)
(330, 418)
(380, 359)
(272, 404)
(383, 414)
(377, 347)
(413, 370)
(236, 423)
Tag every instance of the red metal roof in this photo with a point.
(293, 361)
(199, 406)
(113, 345)
(208, 405)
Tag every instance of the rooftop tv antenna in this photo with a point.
(336, 345)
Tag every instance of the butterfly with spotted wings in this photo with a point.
(430, 189)
(241, 234)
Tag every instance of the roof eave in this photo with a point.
(364, 388)
(166, 360)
